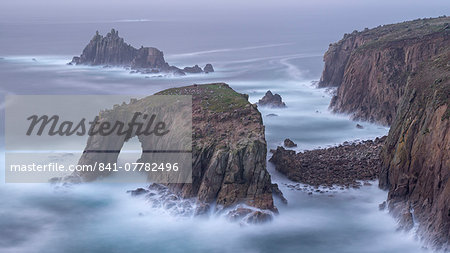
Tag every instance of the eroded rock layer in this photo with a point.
(399, 75)
(229, 148)
(416, 156)
(371, 67)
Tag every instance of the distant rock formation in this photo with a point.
(111, 50)
(288, 143)
(271, 100)
(208, 68)
(371, 67)
(195, 69)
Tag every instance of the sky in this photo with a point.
(61, 11)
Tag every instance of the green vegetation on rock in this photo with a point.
(216, 97)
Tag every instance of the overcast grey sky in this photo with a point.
(229, 10)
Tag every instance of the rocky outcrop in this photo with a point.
(339, 166)
(288, 143)
(371, 67)
(108, 50)
(271, 100)
(228, 149)
(111, 50)
(208, 68)
(399, 75)
(194, 70)
(149, 58)
(416, 157)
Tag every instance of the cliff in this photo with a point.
(111, 50)
(370, 68)
(228, 148)
(399, 75)
(416, 156)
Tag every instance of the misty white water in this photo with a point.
(103, 218)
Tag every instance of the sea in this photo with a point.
(252, 58)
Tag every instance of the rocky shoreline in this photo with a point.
(341, 166)
(162, 197)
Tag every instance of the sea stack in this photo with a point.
(111, 50)
(271, 100)
(228, 150)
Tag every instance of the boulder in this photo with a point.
(111, 50)
(193, 70)
(208, 68)
(271, 100)
(288, 143)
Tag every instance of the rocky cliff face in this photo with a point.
(149, 57)
(399, 75)
(228, 148)
(416, 156)
(108, 50)
(111, 50)
(370, 68)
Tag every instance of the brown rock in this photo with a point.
(342, 165)
(271, 100)
(259, 217)
(138, 191)
(382, 206)
(289, 144)
(416, 157)
(238, 214)
(399, 75)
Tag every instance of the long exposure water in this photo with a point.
(104, 218)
